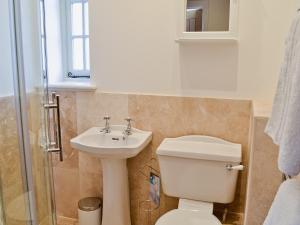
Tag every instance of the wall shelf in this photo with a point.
(207, 40)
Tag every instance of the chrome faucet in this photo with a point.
(107, 128)
(128, 130)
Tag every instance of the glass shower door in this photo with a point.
(34, 97)
(25, 165)
(14, 190)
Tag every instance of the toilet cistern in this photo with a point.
(200, 171)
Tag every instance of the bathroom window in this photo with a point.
(78, 39)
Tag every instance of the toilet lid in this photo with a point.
(187, 217)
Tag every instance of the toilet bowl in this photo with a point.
(190, 213)
(187, 217)
(200, 171)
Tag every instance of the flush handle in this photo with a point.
(231, 167)
(56, 145)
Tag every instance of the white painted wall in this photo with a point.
(133, 50)
(6, 76)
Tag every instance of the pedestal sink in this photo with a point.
(113, 149)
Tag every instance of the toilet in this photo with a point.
(200, 171)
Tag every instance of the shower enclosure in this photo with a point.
(26, 192)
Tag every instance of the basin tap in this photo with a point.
(106, 129)
(128, 130)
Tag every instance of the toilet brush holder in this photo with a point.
(148, 212)
(149, 208)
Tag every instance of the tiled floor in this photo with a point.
(69, 223)
(76, 223)
(231, 220)
(66, 221)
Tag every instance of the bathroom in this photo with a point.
(144, 70)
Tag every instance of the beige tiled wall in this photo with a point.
(66, 173)
(177, 116)
(264, 178)
(10, 166)
(80, 175)
(166, 117)
(13, 191)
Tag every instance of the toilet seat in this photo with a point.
(187, 217)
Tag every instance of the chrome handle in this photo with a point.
(56, 146)
(231, 167)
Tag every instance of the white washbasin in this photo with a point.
(113, 149)
(114, 144)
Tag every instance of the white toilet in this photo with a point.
(199, 170)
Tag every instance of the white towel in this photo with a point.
(285, 209)
(284, 124)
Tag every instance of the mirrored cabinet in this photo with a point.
(208, 20)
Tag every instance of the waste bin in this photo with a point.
(89, 211)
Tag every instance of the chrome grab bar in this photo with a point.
(55, 146)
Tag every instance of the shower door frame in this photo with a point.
(2, 218)
(20, 104)
(21, 112)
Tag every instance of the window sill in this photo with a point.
(72, 86)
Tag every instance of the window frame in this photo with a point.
(70, 72)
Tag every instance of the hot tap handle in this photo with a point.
(129, 121)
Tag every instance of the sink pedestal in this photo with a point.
(116, 204)
(113, 150)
